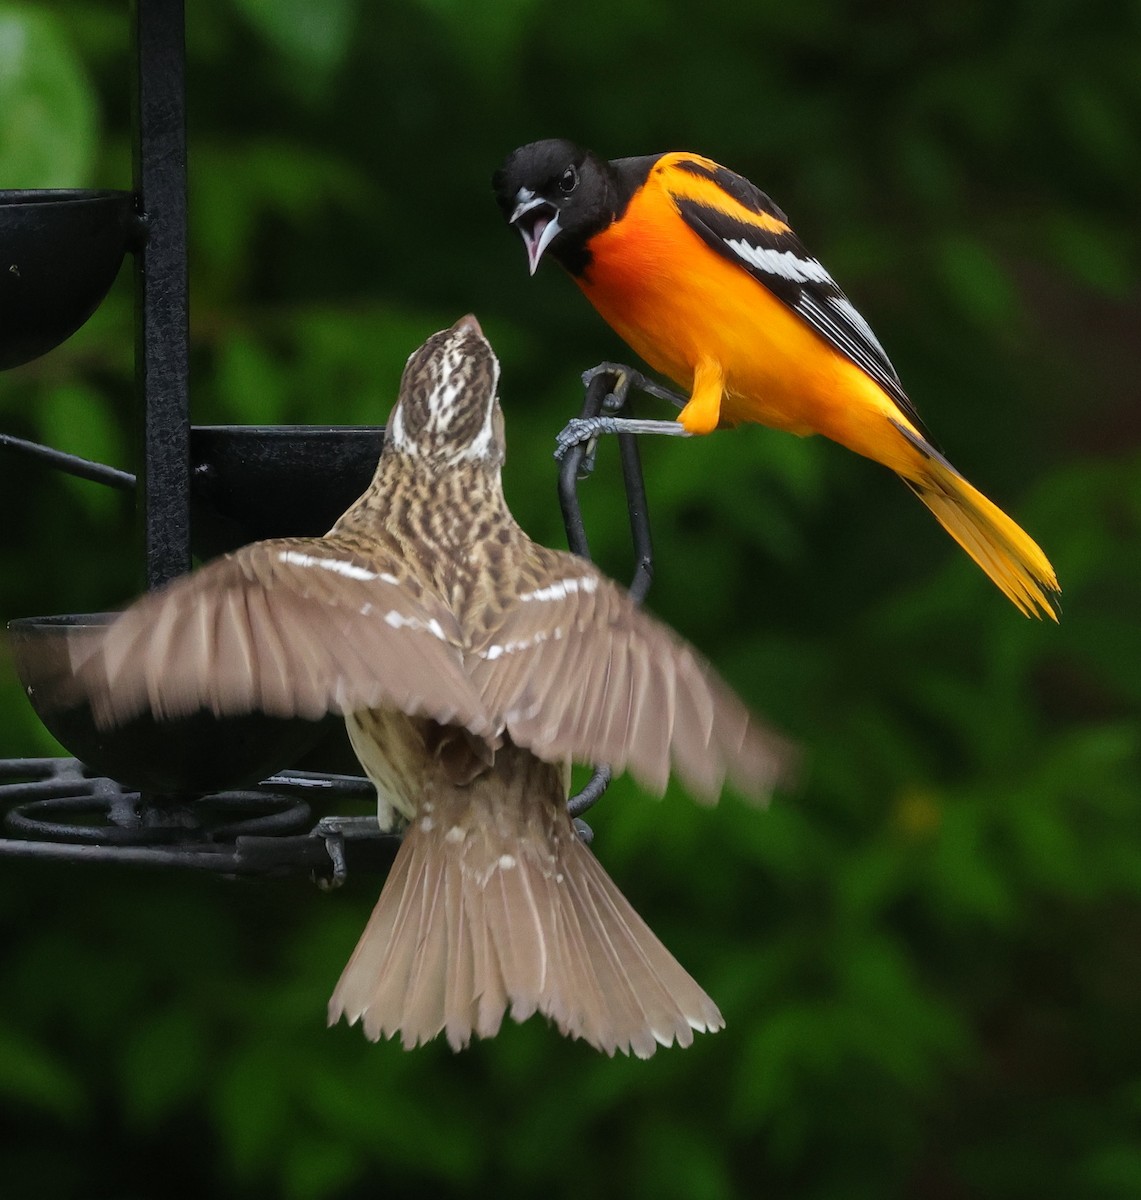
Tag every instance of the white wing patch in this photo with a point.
(296, 558)
(498, 649)
(562, 588)
(785, 263)
(399, 620)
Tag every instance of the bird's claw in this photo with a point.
(624, 378)
(334, 838)
(587, 429)
(578, 431)
(627, 378)
(604, 368)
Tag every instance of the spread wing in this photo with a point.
(305, 626)
(576, 670)
(742, 224)
(291, 627)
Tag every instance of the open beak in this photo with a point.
(538, 223)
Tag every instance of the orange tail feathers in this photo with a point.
(512, 913)
(1008, 554)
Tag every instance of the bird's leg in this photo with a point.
(588, 429)
(587, 799)
(625, 379)
(703, 411)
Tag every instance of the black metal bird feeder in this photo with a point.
(201, 792)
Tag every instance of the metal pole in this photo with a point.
(162, 309)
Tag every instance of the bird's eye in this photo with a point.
(568, 181)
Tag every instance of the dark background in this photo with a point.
(928, 952)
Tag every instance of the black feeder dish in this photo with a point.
(201, 792)
(60, 253)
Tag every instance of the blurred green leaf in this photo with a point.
(163, 1067)
(251, 1103)
(314, 1168)
(501, 28)
(315, 36)
(75, 418)
(1114, 1171)
(237, 188)
(975, 281)
(1092, 252)
(33, 1077)
(48, 133)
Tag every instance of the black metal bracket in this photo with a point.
(70, 464)
(162, 339)
(57, 809)
(64, 814)
(600, 387)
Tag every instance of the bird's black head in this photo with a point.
(557, 195)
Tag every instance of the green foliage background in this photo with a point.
(928, 952)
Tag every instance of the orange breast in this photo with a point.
(675, 301)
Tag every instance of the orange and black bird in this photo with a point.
(471, 667)
(702, 275)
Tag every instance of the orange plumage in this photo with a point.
(701, 274)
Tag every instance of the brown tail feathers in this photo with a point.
(494, 904)
(1008, 554)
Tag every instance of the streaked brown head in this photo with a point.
(448, 410)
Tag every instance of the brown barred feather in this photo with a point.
(495, 907)
(471, 666)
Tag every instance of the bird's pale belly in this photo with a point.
(390, 747)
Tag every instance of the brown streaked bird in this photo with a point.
(471, 666)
